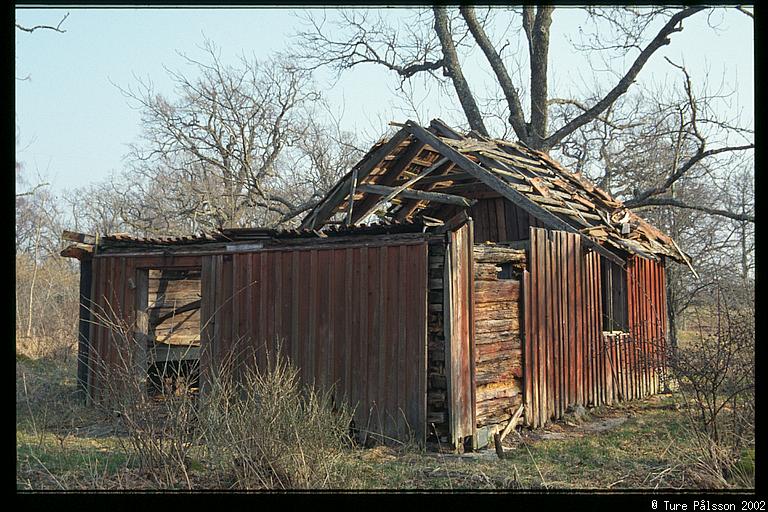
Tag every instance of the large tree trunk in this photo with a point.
(516, 116)
(453, 70)
(536, 26)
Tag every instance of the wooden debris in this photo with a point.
(513, 422)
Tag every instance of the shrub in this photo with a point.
(271, 432)
(716, 383)
(252, 427)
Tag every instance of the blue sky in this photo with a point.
(73, 125)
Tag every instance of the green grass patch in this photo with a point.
(627, 456)
(50, 461)
(63, 444)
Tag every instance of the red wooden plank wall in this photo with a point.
(113, 310)
(647, 301)
(354, 318)
(567, 357)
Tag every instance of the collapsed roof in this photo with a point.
(420, 177)
(425, 172)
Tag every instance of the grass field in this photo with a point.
(643, 445)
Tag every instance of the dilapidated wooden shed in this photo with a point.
(493, 278)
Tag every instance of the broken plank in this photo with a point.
(512, 423)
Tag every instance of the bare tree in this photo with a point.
(357, 40)
(409, 49)
(233, 148)
(46, 293)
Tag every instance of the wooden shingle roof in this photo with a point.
(419, 168)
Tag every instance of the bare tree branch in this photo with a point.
(57, 28)
(661, 39)
(641, 197)
(668, 201)
(741, 8)
(34, 189)
(581, 106)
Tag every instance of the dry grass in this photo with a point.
(63, 445)
(260, 430)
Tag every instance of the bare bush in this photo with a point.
(46, 290)
(271, 432)
(252, 427)
(159, 431)
(46, 307)
(716, 383)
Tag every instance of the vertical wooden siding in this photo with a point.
(353, 318)
(113, 315)
(459, 334)
(112, 310)
(499, 220)
(647, 306)
(567, 357)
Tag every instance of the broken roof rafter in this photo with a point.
(369, 204)
(318, 216)
(500, 186)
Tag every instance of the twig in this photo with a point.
(544, 483)
(667, 448)
(619, 481)
(47, 471)
(34, 189)
(57, 28)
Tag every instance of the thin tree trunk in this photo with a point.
(38, 229)
(743, 233)
(671, 301)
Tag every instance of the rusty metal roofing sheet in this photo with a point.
(248, 234)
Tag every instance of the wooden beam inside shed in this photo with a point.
(325, 209)
(434, 197)
(409, 183)
(369, 205)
